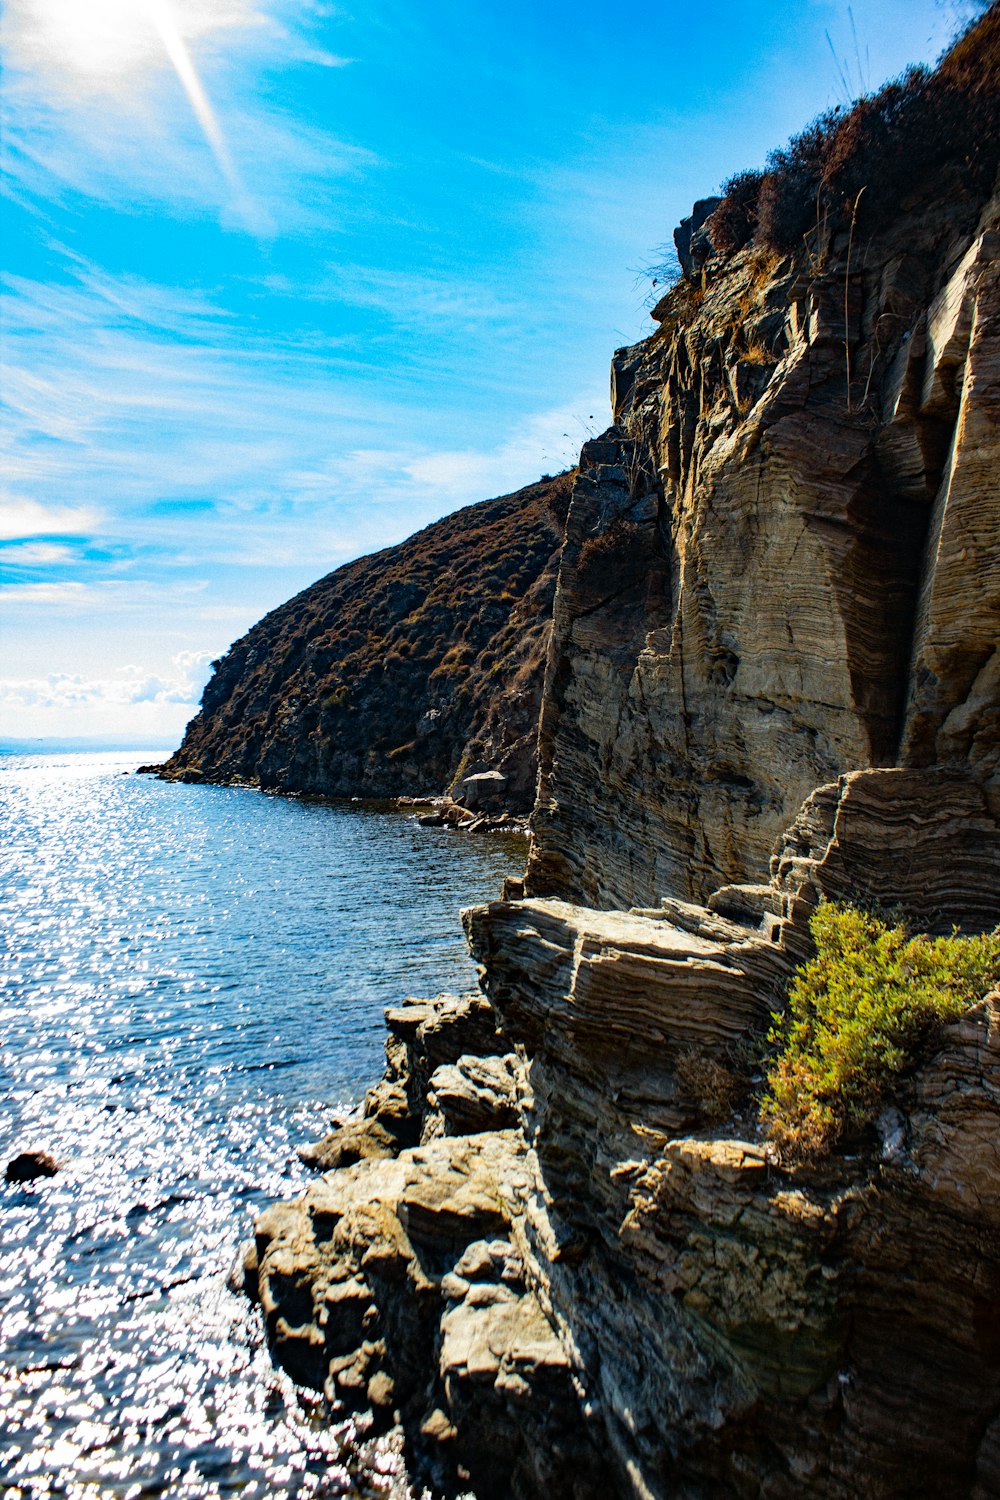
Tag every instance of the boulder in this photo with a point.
(483, 792)
(29, 1165)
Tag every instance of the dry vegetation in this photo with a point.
(374, 680)
(867, 160)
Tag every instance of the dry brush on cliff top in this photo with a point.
(862, 163)
(397, 672)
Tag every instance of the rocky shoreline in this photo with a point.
(555, 1245)
(541, 1252)
(394, 1284)
(429, 811)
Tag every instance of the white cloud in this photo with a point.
(21, 517)
(546, 442)
(35, 554)
(74, 594)
(131, 685)
(105, 596)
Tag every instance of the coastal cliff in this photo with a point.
(557, 1244)
(400, 672)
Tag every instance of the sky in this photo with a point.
(285, 281)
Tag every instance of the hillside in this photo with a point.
(398, 672)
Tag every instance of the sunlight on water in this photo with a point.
(193, 981)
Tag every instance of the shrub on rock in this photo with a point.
(860, 1015)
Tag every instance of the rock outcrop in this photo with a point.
(744, 1329)
(400, 673)
(393, 1283)
(562, 1252)
(772, 576)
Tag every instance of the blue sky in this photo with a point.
(286, 280)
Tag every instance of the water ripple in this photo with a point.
(193, 981)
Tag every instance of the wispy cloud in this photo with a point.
(210, 444)
(157, 102)
(20, 517)
(34, 554)
(59, 593)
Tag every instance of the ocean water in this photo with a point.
(193, 981)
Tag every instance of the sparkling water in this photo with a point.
(193, 982)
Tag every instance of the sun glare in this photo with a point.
(103, 42)
(117, 46)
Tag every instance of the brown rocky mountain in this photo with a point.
(399, 672)
(552, 1244)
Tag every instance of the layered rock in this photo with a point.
(393, 1283)
(571, 1271)
(400, 673)
(781, 563)
(740, 1328)
(558, 1246)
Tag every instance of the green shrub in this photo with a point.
(336, 702)
(859, 1015)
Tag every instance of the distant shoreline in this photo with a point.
(55, 746)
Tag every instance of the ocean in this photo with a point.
(193, 982)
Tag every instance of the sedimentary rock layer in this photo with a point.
(743, 1329)
(774, 574)
(393, 1283)
(552, 1252)
(557, 1244)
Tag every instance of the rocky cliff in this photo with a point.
(399, 672)
(773, 573)
(556, 1244)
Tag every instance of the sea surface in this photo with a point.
(192, 983)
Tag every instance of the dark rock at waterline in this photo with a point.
(29, 1165)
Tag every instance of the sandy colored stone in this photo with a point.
(767, 584)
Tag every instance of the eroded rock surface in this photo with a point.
(394, 1286)
(772, 577)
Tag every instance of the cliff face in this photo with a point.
(394, 674)
(555, 1244)
(773, 574)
